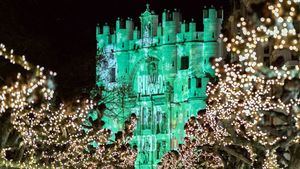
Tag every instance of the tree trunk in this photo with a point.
(295, 156)
(5, 129)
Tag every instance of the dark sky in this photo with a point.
(60, 34)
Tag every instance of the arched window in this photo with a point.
(266, 50)
(113, 75)
(152, 70)
(198, 82)
(279, 61)
(184, 62)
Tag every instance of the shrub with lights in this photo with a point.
(252, 115)
(38, 132)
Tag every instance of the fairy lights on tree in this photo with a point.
(252, 114)
(37, 132)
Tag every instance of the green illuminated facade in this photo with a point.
(165, 66)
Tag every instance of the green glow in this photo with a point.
(165, 67)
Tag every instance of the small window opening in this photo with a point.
(198, 82)
(113, 75)
(184, 62)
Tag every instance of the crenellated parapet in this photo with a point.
(152, 32)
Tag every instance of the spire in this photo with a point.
(147, 11)
(148, 7)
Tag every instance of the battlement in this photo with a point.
(212, 13)
(168, 15)
(152, 32)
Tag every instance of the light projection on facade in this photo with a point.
(164, 69)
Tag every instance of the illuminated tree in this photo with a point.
(38, 132)
(252, 114)
(114, 98)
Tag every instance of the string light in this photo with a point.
(240, 102)
(55, 136)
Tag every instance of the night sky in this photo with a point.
(60, 34)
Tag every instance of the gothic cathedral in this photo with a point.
(159, 72)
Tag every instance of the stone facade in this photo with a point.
(165, 67)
